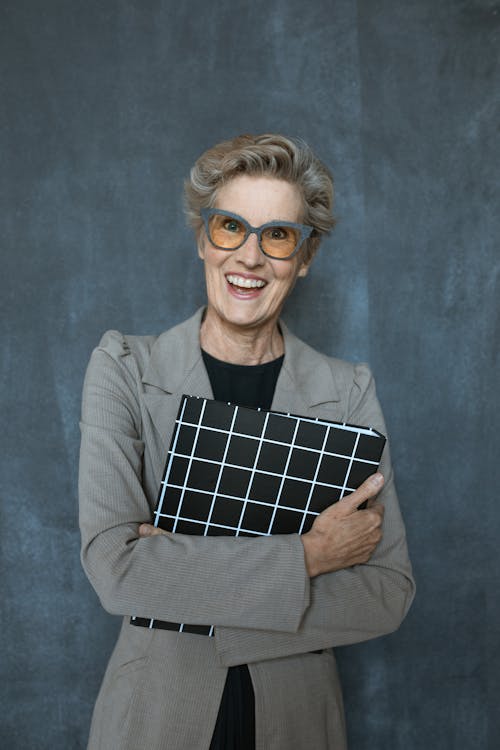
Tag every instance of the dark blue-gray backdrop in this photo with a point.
(104, 107)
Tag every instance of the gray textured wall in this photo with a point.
(104, 107)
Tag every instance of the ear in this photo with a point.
(200, 242)
(304, 269)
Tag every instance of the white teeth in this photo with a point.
(245, 283)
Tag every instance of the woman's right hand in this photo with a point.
(342, 535)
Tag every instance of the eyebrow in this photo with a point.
(265, 223)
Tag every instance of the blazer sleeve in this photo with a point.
(350, 605)
(258, 582)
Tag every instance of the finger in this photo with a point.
(374, 519)
(374, 503)
(370, 488)
(147, 529)
(375, 507)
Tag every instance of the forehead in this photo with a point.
(260, 199)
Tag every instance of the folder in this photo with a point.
(238, 471)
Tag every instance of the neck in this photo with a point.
(231, 343)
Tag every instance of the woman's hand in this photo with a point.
(342, 535)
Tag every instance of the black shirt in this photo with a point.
(254, 386)
(243, 385)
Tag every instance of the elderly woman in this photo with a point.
(259, 206)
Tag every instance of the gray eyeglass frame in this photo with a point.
(305, 231)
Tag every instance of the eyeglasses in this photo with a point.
(277, 239)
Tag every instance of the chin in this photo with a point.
(247, 318)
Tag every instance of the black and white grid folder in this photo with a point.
(237, 471)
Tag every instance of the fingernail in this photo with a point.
(144, 530)
(377, 479)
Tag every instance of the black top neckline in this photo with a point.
(243, 385)
(242, 368)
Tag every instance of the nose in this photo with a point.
(250, 253)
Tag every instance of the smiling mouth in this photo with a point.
(239, 282)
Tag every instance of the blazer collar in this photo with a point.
(176, 366)
(306, 379)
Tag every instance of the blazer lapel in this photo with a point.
(175, 367)
(306, 385)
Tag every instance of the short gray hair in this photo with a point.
(269, 155)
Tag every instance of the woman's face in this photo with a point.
(258, 200)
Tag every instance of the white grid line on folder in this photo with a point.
(264, 473)
(344, 487)
(280, 490)
(198, 426)
(239, 497)
(308, 502)
(223, 463)
(274, 442)
(232, 528)
(167, 469)
(256, 460)
(310, 420)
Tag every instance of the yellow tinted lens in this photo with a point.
(226, 231)
(280, 242)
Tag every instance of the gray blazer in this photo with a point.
(162, 689)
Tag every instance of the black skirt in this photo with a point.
(235, 726)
